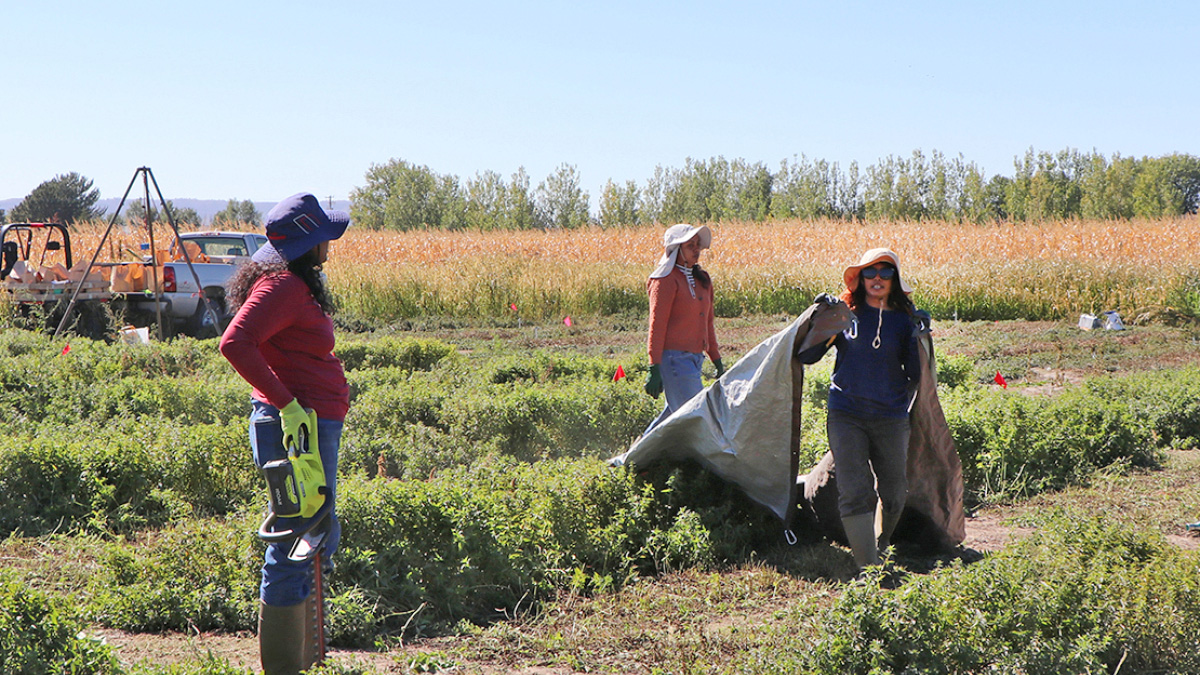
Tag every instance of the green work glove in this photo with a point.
(292, 416)
(654, 382)
(720, 368)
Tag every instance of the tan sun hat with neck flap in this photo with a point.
(673, 238)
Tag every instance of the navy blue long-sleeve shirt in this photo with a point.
(868, 380)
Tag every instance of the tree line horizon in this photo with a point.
(401, 195)
(1068, 184)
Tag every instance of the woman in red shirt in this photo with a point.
(681, 319)
(281, 342)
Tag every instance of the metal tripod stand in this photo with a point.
(147, 179)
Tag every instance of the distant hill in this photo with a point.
(206, 208)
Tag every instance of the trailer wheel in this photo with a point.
(91, 320)
(202, 325)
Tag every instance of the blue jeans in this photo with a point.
(284, 582)
(681, 381)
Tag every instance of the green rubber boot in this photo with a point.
(887, 526)
(860, 532)
(281, 639)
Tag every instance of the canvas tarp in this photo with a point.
(745, 429)
(745, 426)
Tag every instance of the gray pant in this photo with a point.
(869, 453)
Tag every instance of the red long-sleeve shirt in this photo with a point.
(281, 342)
(677, 320)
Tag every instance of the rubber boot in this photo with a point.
(281, 638)
(860, 532)
(887, 526)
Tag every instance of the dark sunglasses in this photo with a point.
(885, 273)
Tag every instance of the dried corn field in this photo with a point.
(1142, 269)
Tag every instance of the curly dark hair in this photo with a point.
(237, 289)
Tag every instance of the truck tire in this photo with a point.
(201, 325)
(89, 321)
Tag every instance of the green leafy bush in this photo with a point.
(1170, 399)
(1078, 596)
(544, 367)
(954, 370)
(205, 665)
(39, 634)
(44, 486)
(718, 518)
(408, 451)
(470, 543)
(124, 476)
(1013, 445)
(198, 574)
(531, 423)
(43, 381)
(185, 400)
(389, 352)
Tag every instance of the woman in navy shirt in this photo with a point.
(870, 394)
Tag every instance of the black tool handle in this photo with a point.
(267, 533)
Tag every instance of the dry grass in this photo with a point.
(922, 246)
(1031, 271)
(1166, 243)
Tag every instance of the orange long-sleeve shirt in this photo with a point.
(677, 320)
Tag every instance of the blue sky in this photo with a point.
(258, 100)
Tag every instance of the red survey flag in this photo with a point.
(513, 306)
(567, 321)
(66, 348)
(999, 379)
(619, 374)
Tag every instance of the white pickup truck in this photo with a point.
(214, 256)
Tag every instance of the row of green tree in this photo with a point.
(70, 198)
(400, 195)
(1044, 186)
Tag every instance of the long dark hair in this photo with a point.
(897, 298)
(701, 276)
(237, 289)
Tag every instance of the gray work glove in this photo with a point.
(825, 298)
(922, 322)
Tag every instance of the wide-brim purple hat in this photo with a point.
(296, 225)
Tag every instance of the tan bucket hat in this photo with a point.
(850, 276)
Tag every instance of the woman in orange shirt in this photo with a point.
(681, 319)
